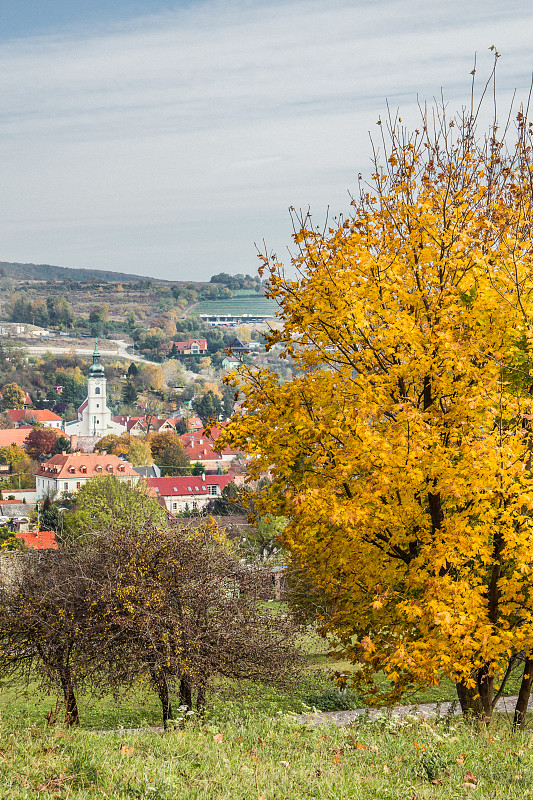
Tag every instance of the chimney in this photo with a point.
(73, 442)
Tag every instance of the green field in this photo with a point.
(251, 304)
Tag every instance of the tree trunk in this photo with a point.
(186, 692)
(161, 684)
(519, 720)
(72, 716)
(485, 688)
(200, 697)
(470, 707)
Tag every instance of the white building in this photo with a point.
(188, 492)
(69, 471)
(94, 417)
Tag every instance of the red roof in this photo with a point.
(202, 344)
(85, 464)
(41, 415)
(41, 540)
(14, 436)
(199, 447)
(191, 485)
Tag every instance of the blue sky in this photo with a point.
(167, 138)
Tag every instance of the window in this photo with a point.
(65, 487)
(98, 405)
(174, 505)
(97, 390)
(78, 484)
(212, 489)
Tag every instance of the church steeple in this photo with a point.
(96, 369)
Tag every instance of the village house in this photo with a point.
(139, 426)
(38, 540)
(21, 417)
(192, 347)
(69, 471)
(199, 448)
(191, 493)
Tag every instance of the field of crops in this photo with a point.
(251, 304)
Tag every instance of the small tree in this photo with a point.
(169, 453)
(42, 442)
(104, 503)
(13, 396)
(207, 406)
(129, 393)
(181, 608)
(45, 613)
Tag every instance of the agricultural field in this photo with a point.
(244, 304)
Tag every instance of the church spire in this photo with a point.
(96, 369)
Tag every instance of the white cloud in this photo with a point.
(168, 145)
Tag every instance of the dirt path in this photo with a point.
(339, 718)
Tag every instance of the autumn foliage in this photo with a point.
(400, 452)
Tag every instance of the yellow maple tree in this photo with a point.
(400, 451)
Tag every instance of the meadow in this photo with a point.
(251, 745)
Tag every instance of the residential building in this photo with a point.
(16, 436)
(192, 347)
(182, 493)
(38, 540)
(44, 417)
(69, 471)
(139, 426)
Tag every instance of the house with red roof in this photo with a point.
(20, 416)
(139, 426)
(16, 436)
(192, 347)
(200, 448)
(69, 471)
(38, 540)
(184, 492)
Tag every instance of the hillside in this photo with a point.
(47, 272)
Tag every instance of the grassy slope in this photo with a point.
(259, 758)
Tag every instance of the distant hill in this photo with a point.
(47, 272)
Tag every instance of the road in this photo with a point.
(107, 347)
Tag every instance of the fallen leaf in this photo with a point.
(469, 779)
(285, 763)
(218, 737)
(386, 770)
(360, 746)
(126, 750)
(437, 781)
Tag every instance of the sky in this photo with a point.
(171, 138)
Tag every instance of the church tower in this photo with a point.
(99, 416)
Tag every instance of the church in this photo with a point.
(94, 417)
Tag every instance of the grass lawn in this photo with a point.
(257, 757)
(250, 746)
